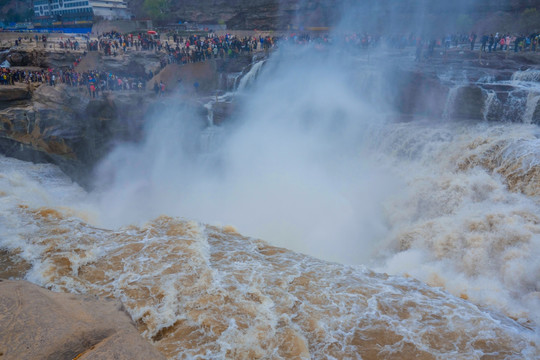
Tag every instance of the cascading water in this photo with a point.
(490, 98)
(228, 81)
(514, 99)
(529, 75)
(250, 76)
(531, 107)
(449, 106)
(212, 135)
(210, 115)
(311, 164)
(516, 105)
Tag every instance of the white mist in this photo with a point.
(290, 168)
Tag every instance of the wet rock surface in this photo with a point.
(40, 324)
(499, 86)
(62, 125)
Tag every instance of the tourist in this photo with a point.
(472, 40)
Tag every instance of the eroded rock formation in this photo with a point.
(63, 125)
(40, 324)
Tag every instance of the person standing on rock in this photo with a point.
(490, 42)
(484, 42)
(92, 91)
(473, 40)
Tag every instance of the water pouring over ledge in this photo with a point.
(313, 161)
(328, 139)
(203, 291)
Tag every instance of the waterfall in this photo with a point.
(515, 105)
(250, 76)
(491, 97)
(233, 83)
(450, 101)
(211, 136)
(239, 80)
(527, 75)
(227, 82)
(532, 103)
(210, 116)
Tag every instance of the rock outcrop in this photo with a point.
(9, 94)
(62, 125)
(459, 84)
(40, 57)
(40, 324)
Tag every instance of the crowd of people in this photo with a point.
(179, 49)
(485, 43)
(426, 45)
(492, 42)
(111, 42)
(94, 81)
(97, 82)
(193, 48)
(69, 44)
(10, 77)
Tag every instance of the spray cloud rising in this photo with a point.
(311, 162)
(289, 169)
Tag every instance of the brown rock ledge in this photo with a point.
(40, 324)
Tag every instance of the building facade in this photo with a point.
(80, 10)
(110, 9)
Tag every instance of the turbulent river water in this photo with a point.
(415, 239)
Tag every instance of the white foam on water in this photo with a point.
(458, 226)
(454, 205)
(207, 292)
(529, 75)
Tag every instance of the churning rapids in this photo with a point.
(422, 237)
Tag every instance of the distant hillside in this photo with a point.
(365, 15)
(373, 15)
(15, 10)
